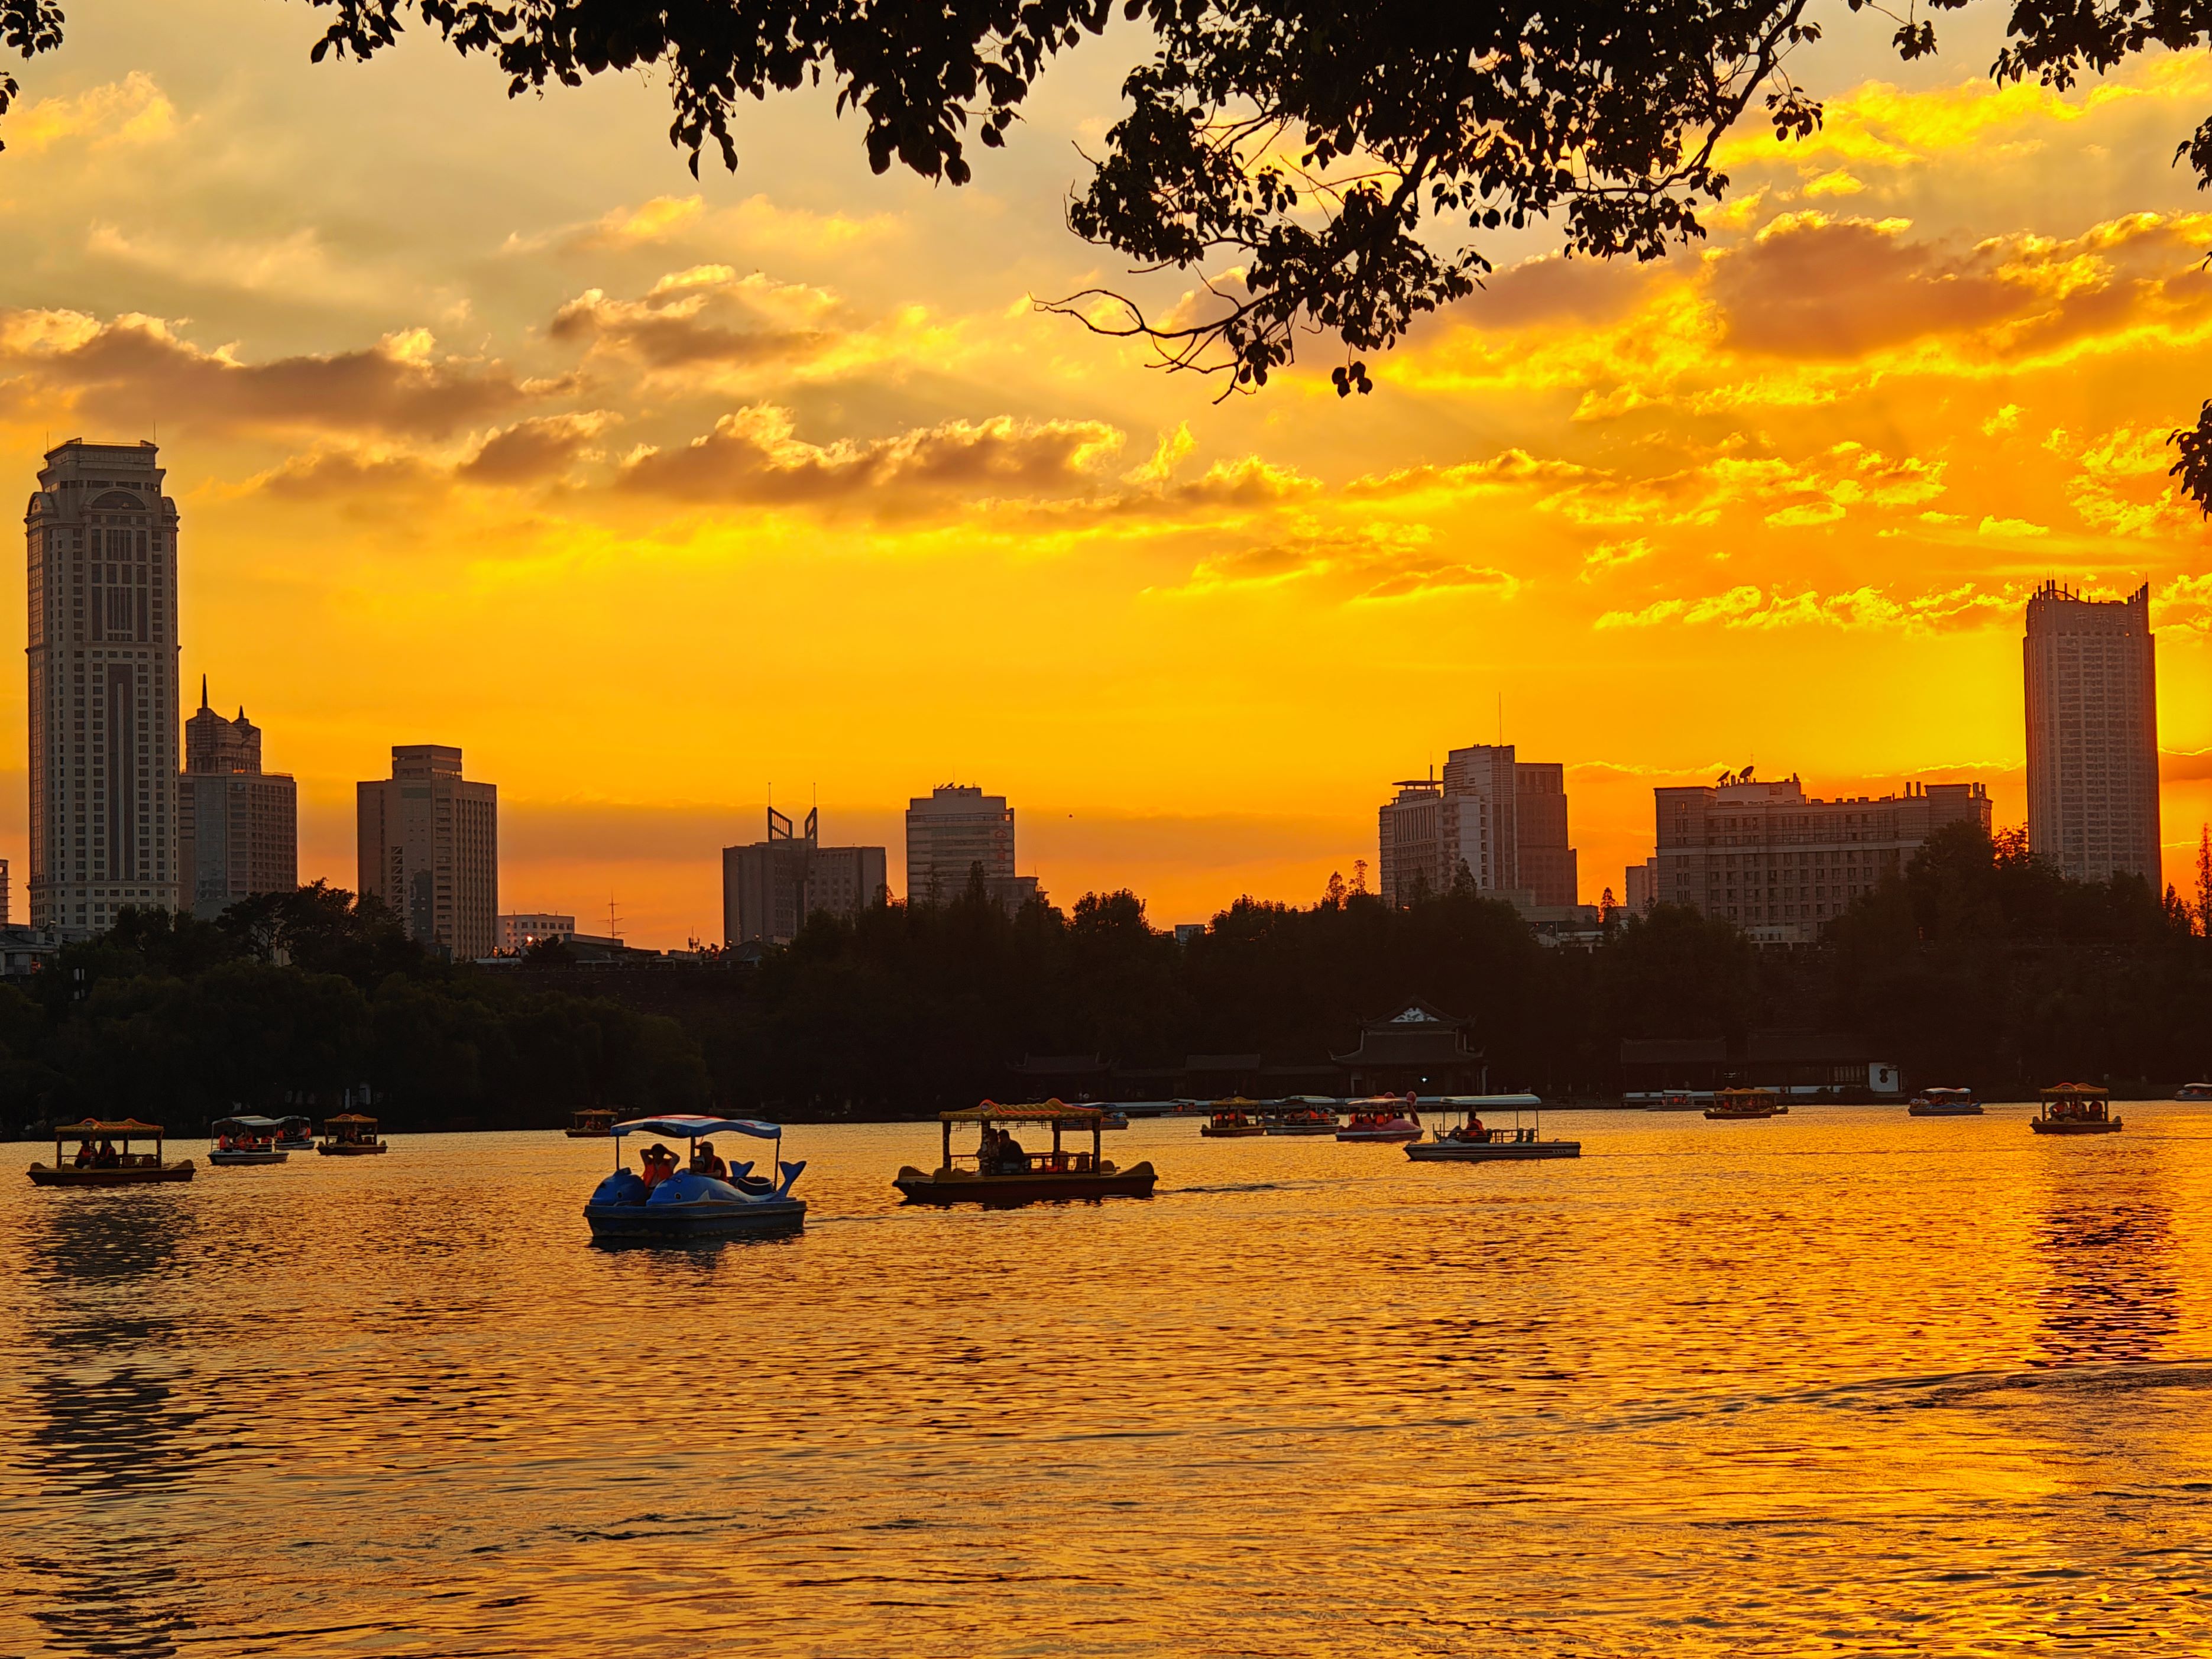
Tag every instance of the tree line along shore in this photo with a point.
(1978, 965)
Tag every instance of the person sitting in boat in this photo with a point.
(706, 1163)
(107, 1158)
(84, 1155)
(660, 1164)
(1012, 1158)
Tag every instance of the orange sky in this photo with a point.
(491, 426)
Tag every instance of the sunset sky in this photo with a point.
(490, 426)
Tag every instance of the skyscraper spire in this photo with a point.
(204, 701)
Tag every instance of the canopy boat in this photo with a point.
(1233, 1119)
(245, 1141)
(2194, 1092)
(706, 1199)
(1741, 1105)
(2075, 1109)
(1002, 1171)
(1302, 1115)
(1383, 1117)
(1112, 1117)
(1945, 1103)
(1472, 1141)
(349, 1135)
(1672, 1100)
(593, 1123)
(295, 1133)
(106, 1164)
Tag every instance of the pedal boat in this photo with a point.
(294, 1134)
(1384, 1118)
(245, 1141)
(350, 1135)
(1746, 1105)
(994, 1173)
(691, 1204)
(593, 1123)
(1302, 1115)
(1231, 1121)
(2075, 1109)
(2194, 1092)
(130, 1170)
(1944, 1103)
(1471, 1141)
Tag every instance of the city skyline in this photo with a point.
(433, 457)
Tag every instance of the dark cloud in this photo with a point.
(752, 457)
(339, 475)
(541, 448)
(708, 317)
(1553, 288)
(1812, 287)
(128, 373)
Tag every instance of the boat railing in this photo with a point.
(1494, 1137)
(1065, 1162)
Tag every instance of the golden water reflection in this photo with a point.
(1846, 1382)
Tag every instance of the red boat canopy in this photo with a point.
(1050, 1111)
(129, 1125)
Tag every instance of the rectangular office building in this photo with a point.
(770, 888)
(2092, 684)
(429, 848)
(1780, 864)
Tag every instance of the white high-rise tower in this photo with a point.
(102, 562)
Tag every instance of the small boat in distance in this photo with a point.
(1301, 1115)
(707, 1198)
(1472, 1141)
(2194, 1092)
(237, 1140)
(349, 1135)
(1381, 1118)
(2075, 1109)
(593, 1123)
(107, 1164)
(1232, 1120)
(1945, 1103)
(295, 1133)
(1002, 1171)
(1742, 1105)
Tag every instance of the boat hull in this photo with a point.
(1918, 1110)
(307, 1146)
(226, 1160)
(2042, 1127)
(353, 1149)
(1032, 1189)
(44, 1175)
(1211, 1134)
(1393, 1136)
(681, 1223)
(1719, 1116)
(1491, 1152)
(1302, 1128)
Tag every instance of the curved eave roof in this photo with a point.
(129, 1125)
(1048, 1111)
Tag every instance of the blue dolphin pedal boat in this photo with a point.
(686, 1203)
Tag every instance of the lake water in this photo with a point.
(1846, 1382)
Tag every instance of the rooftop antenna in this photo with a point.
(613, 927)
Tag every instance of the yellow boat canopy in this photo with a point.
(129, 1125)
(2076, 1092)
(348, 1117)
(1050, 1111)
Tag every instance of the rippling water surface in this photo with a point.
(1846, 1382)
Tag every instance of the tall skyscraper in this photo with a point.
(237, 827)
(770, 888)
(101, 547)
(2091, 678)
(429, 848)
(1502, 820)
(951, 832)
(1781, 864)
